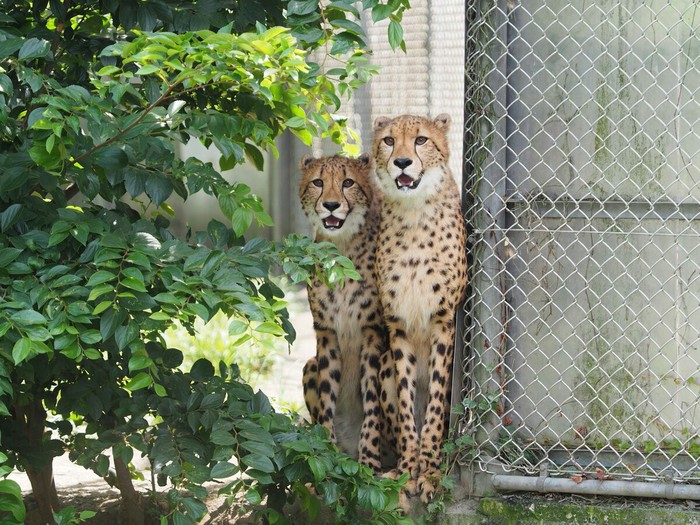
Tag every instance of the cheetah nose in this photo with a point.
(331, 205)
(403, 162)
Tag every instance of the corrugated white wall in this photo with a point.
(427, 80)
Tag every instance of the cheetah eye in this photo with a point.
(348, 182)
(421, 140)
(317, 182)
(388, 141)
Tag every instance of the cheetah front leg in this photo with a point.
(442, 350)
(405, 378)
(387, 386)
(328, 378)
(370, 434)
(311, 395)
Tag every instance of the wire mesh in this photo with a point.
(583, 193)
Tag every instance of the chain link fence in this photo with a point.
(583, 193)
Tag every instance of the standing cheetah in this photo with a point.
(421, 272)
(341, 384)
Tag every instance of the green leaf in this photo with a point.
(180, 519)
(160, 390)
(317, 467)
(142, 380)
(110, 158)
(241, 220)
(78, 308)
(139, 362)
(148, 70)
(195, 508)
(381, 11)
(21, 350)
(102, 307)
(254, 155)
(158, 188)
(90, 337)
(99, 277)
(133, 284)
(34, 48)
(302, 7)
(99, 291)
(167, 298)
(253, 497)
(237, 327)
(395, 34)
(93, 354)
(296, 122)
(124, 335)
(258, 462)
(102, 466)
(28, 317)
(222, 438)
(270, 328)
(11, 499)
(224, 469)
(258, 448)
(348, 25)
(135, 182)
(110, 321)
(9, 216)
(202, 370)
(7, 255)
(10, 46)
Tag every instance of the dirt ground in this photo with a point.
(84, 490)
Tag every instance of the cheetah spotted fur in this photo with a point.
(341, 386)
(421, 273)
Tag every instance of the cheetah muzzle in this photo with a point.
(406, 183)
(332, 223)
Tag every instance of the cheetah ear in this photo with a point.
(381, 122)
(443, 121)
(306, 161)
(364, 160)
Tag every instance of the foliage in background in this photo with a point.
(94, 96)
(229, 340)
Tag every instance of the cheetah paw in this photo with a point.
(428, 485)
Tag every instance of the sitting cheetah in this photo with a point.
(421, 272)
(341, 382)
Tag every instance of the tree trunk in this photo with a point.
(32, 419)
(44, 491)
(131, 500)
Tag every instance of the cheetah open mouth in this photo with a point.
(405, 182)
(332, 223)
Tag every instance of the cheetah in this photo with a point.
(341, 383)
(421, 272)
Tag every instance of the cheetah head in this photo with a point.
(336, 194)
(411, 154)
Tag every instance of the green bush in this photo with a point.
(93, 98)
